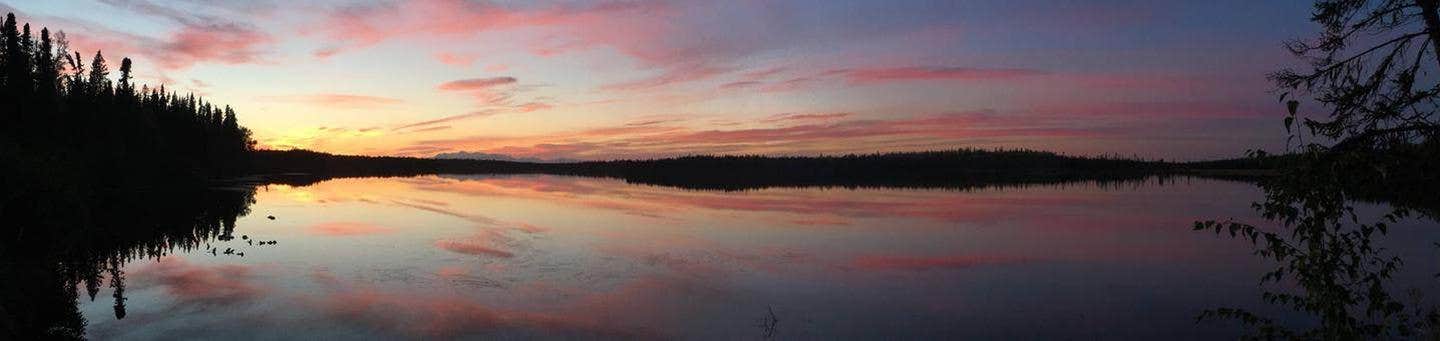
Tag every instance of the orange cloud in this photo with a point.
(533, 106)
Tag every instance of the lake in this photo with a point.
(534, 256)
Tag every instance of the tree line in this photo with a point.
(61, 115)
(955, 169)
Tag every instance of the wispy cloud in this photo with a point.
(457, 59)
(880, 75)
(495, 94)
(816, 134)
(476, 114)
(805, 117)
(335, 100)
(200, 38)
(477, 83)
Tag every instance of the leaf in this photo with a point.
(1292, 106)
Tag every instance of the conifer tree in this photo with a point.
(99, 72)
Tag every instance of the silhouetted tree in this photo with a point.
(46, 72)
(1377, 140)
(17, 68)
(99, 73)
(125, 89)
(1376, 95)
(63, 118)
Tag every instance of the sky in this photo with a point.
(1179, 80)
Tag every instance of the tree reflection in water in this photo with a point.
(62, 244)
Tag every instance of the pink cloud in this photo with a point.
(740, 84)
(457, 59)
(647, 31)
(494, 92)
(533, 106)
(764, 73)
(360, 26)
(225, 43)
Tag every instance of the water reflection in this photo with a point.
(552, 256)
(64, 246)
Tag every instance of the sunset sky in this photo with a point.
(640, 79)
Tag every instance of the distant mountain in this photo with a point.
(497, 157)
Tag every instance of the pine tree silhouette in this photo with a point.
(64, 118)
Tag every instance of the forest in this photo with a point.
(65, 120)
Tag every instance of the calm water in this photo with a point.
(548, 256)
